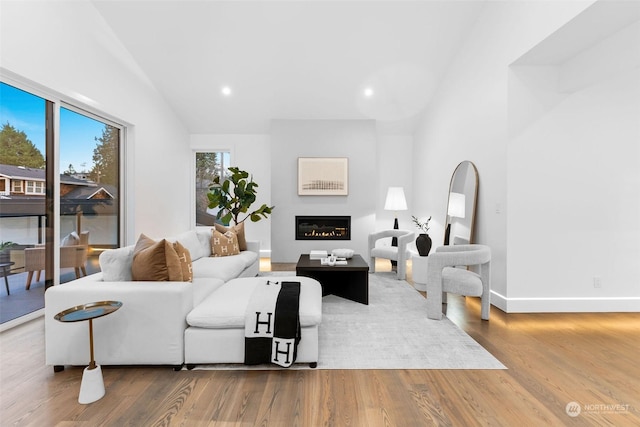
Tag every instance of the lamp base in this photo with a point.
(394, 242)
(92, 386)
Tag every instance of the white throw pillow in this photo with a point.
(204, 235)
(189, 239)
(71, 239)
(116, 264)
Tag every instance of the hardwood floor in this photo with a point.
(553, 359)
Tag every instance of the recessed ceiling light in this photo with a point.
(226, 90)
(368, 92)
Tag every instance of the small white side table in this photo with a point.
(419, 272)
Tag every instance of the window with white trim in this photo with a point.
(16, 186)
(35, 187)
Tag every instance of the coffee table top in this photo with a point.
(356, 263)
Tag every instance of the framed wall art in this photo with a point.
(323, 176)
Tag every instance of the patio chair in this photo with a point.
(71, 256)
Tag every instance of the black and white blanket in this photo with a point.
(272, 324)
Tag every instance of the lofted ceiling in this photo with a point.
(293, 59)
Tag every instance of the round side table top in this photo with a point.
(88, 311)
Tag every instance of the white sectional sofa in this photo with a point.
(151, 327)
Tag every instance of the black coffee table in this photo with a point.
(350, 281)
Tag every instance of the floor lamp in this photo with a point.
(395, 202)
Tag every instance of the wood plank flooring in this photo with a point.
(553, 359)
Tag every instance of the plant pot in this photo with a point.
(5, 256)
(423, 243)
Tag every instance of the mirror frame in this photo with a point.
(448, 221)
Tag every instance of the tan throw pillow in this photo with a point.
(239, 230)
(224, 244)
(155, 261)
(185, 261)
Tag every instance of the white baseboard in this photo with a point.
(265, 253)
(565, 305)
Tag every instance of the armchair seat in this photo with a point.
(461, 282)
(387, 252)
(449, 272)
(399, 253)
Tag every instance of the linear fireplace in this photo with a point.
(323, 228)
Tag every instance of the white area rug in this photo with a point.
(392, 332)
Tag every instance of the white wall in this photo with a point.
(66, 47)
(468, 120)
(290, 139)
(394, 153)
(251, 153)
(576, 163)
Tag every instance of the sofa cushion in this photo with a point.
(185, 261)
(116, 264)
(224, 244)
(189, 239)
(224, 268)
(203, 287)
(155, 261)
(225, 308)
(239, 230)
(248, 257)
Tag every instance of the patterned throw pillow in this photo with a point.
(155, 261)
(239, 230)
(185, 261)
(224, 244)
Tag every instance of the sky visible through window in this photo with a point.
(26, 113)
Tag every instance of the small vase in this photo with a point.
(423, 243)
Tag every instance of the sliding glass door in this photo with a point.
(55, 215)
(23, 217)
(89, 191)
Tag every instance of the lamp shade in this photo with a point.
(395, 200)
(456, 205)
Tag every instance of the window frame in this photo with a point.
(17, 186)
(37, 190)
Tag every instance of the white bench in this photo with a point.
(215, 332)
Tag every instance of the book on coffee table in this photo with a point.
(318, 254)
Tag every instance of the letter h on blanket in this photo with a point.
(272, 324)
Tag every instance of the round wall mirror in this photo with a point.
(461, 206)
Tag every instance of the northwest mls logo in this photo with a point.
(573, 409)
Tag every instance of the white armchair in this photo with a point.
(399, 253)
(443, 276)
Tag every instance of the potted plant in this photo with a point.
(423, 241)
(5, 254)
(235, 196)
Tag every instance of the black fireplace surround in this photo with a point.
(323, 228)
